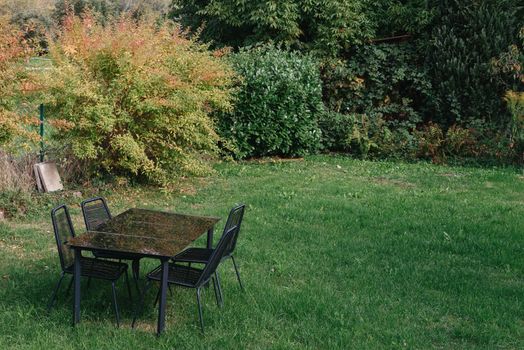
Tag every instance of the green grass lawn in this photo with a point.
(334, 253)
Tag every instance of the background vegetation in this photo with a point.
(134, 97)
(406, 65)
(276, 106)
(416, 79)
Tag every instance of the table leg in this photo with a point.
(163, 295)
(77, 273)
(210, 238)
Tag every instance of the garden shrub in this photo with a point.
(133, 98)
(466, 36)
(515, 103)
(378, 79)
(336, 129)
(398, 17)
(276, 105)
(430, 142)
(32, 17)
(324, 26)
(480, 143)
(511, 63)
(14, 51)
(461, 142)
(365, 136)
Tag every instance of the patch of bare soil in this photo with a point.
(394, 182)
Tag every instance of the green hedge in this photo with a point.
(276, 105)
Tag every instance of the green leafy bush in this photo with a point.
(479, 144)
(365, 136)
(276, 105)
(398, 17)
(378, 79)
(336, 130)
(327, 27)
(515, 102)
(133, 98)
(466, 36)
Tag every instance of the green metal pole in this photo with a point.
(41, 132)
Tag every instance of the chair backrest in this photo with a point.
(216, 257)
(234, 221)
(95, 211)
(64, 231)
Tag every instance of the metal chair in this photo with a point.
(202, 255)
(90, 267)
(96, 212)
(190, 277)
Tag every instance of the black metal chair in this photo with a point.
(90, 267)
(202, 255)
(96, 212)
(190, 277)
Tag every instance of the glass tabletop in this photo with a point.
(145, 232)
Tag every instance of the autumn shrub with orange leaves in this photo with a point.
(134, 98)
(14, 52)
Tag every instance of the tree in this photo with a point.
(110, 8)
(466, 37)
(324, 26)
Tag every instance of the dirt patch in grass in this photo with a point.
(394, 182)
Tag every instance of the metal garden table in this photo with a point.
(146, 233)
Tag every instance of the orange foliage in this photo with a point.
(134, 96)
(13, 51)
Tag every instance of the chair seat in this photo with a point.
(178, 274)
(101, 269)
(197, 255)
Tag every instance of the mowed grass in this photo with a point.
(334, 253)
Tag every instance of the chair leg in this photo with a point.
(219, 289)
(135, 265)
(158, 293)
(236, 270)
(53, 296)
(115, 304)
(157, 298)
(129, 288)
(138, 312)
(70, 285)
(216, 292)
(200, 310)
(216, 288)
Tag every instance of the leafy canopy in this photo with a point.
(324, 26)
